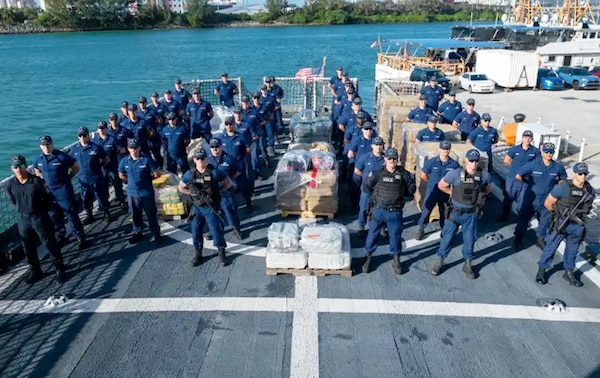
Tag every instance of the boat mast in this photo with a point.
(572, 13)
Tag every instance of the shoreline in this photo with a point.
(34, 29)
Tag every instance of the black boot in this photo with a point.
(362, 231)
(81, 242)
(468, 269)
(517, 243)
(107, 217)
(34, 276)
(420, 234)
(136, 237)
(437, 267)
(249, 208)
(222, 256)
(89, 218)
(540, 277)
(61, 273)
(504, 216)
(569, 276)
(209, 236)
(396, 265)
(367, 265)
(197, 260)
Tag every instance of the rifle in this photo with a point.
(199, 198)
(569, 215)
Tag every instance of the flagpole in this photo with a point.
(323, 86)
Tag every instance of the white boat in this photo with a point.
(583, 49)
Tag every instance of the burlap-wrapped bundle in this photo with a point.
(321, 184)
(322, 205)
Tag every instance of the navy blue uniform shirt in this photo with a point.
(55, 169)
(139, 174)
(90, 159)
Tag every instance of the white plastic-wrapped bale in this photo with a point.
(290, 180)
(324, 258)
(321, 239)
(283, 248)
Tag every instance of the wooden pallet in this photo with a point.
(305, 214)
(171, 217)
(309, 272)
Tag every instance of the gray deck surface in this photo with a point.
(101, 342)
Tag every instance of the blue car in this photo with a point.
(549, 80)
(578, 78)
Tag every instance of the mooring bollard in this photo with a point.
(566, 146)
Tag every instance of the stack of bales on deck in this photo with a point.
(386, 117)
(168, 200)
(306, 178)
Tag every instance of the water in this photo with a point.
(54, 83)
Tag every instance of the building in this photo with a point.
(177, 6)
(18, 4)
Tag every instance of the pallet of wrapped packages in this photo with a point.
(327, 246)
(318, 129)
(290, 180)
(283, 249)
(404, 138)
(314, 146)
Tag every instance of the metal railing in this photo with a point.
(395, 87)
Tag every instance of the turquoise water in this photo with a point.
(54, 83)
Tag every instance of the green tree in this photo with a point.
(199, 13)
(275, 8)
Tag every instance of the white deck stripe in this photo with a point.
(473, 310)
(305, 307)
(305, 329)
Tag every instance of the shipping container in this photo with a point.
(509, 68)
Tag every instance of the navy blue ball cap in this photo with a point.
(245, 98)
(132, 143)
(263, 87)
(580, 167)
(433, 119)
(549, 147)
(272, 78)
(18, 160)
(168, 91)
(528, 133)
(340, 68)
(196, 91)
(112, 115)
(433, 78)
(350, 90)
(171, 115)
(132, 107)
(224, 74)
(215, 142)
(124, 104)
(229, 120)
(357, 101)
(452, 93)
(473, 155)
(237, 109)
(83, 131)
(45, 140)
(154, 94)
(256, 95)
(360, 115)
(391, 153)
(519, 117)
(367, 126)
(445, 145)
(143, 99)
(102, 125)
(486, 117)
(378, 141)
(471, 101)
(178, 81)
(422, 98)
(199, 154)
(344, 73)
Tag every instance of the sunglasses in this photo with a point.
(583, 174)
(83, 135)
(199, 158)
(15, 166)
(473, 161)
(548, 151)
(228, 124)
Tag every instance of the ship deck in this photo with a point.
(143, 310)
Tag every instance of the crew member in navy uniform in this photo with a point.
(467, 120)
(268, 104)
(570, 202)
(181, 95)
(151, 118)
(516, 157)
(260, 114)
(336, 84)
(421, 113)
(200, 113)
(177, 138)
(433, 93)
(484, 137)
(91, 159)
(450, 109)
(389, 189)
(432, 172)
(226, 89)
(124, 115)
(540, 177)
(277, 93)
(467, 188)
(120, 134)
(58, 169)
(111, 170)
(204, 183)
(431, 133)
(28, 193)
(171, 104)
(226, 163)
(234, 145)
(366, 164)
(139, 129)
(138, 170)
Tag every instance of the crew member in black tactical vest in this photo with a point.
(467, 188)
(389, 189)
(570, 202)
(32, 200)
(204, 183)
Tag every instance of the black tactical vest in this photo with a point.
(389, 190)
(575, 194)
(209, 187)
(470, 186)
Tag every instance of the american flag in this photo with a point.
(405, 53)
(310, 73)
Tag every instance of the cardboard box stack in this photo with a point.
(318, 246)
(385, 118)
(307, 179)
(168, 200)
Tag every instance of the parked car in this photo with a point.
(595, 71)
(549, 80)
(578, 78)
(476, 82)
(424, 74)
